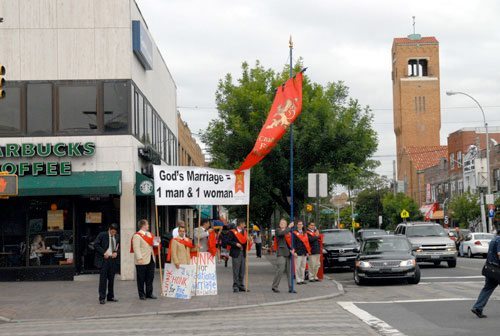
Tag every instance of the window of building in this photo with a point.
(459, 159)
(417, 67)
(452, 160)
(78, 109)
(116, 104)
(135, 114)
(148, 135)
(10, 105)
(140, 117)
(39, 109)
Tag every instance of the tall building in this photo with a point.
(416, 108)
(90, 105)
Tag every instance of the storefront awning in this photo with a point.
(78, 183)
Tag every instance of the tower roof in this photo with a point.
(415, 39)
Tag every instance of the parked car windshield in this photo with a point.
(485, 236)
(385, 245)
(425, 231)
(338, 238)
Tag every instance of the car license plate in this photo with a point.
(434, 257)
(342, 259)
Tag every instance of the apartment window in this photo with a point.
(39, 109)
(459, 159)
(78, 109)
(452, 160)
(10, 117)
(116, 107)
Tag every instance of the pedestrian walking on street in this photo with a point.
(143, 246)
(257, 239)
(314, 257)
(493, 260)
(239, 242)
(282, 246)
(106, 247)
(302, 250)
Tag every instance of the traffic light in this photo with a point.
(309, 208)
(2, 81)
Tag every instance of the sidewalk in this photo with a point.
(21, 301)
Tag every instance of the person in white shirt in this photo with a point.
(202, 232)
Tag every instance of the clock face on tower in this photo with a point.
(146, 187)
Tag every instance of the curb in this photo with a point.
(340, 289)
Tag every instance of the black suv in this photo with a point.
(386, 257)
(339, 248)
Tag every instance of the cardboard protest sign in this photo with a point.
(178, 282)
(206, 283)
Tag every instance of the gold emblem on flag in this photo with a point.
(240, 182)
(284, 114)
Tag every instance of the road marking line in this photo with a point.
(452, 282)
(375, 323)
(451, 277)
(417, 300)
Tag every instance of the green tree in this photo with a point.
(465, 208)
(369, 206)
(394, 204)
(333, 134)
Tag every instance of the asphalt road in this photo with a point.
(439, 305)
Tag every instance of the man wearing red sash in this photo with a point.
(239, 243)
(314, 257)
(144, 246)
(282, 246)
(302, 250)
(179, 251)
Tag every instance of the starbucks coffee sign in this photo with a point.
(36, 152)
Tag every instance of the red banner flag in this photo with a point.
(286, 108)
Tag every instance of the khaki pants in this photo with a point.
(314, 264)
(300, 268)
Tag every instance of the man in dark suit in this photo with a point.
(106, 247)
(238, 240)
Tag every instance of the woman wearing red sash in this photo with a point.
(302, 250)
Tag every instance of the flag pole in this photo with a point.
(197, 251)
(292, 263)
(159, 249)
(246, 252)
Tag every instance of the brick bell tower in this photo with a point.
(416, 99)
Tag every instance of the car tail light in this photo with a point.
(477, 242)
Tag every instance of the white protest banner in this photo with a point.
(179, 185)
(178, 282)
(207, 276)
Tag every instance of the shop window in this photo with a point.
(78, 109)
(116, 107)
(39, 109)
(10, 105)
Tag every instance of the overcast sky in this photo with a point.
(344, 40)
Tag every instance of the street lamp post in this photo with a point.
(488, 178)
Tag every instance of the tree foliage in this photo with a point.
(369, 206)
(465, 208)
(394, 204)
(332, 135)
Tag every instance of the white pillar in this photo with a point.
(127, 229)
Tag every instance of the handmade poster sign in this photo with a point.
(178, 282)
(206, 283)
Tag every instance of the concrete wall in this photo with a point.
(112, 153)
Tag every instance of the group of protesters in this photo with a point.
(295, 247)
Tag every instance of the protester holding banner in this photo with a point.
(282, 246)
(239, 243)
(314, 257)
(179, 251)
(302, 250)
(201, 235)
(143, 246)
(175, 232)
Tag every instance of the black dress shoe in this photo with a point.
(236, 290)
(478, 313)
(293, 291)
(276, 290)
(152, 296)
(102, 301)
(243, 289)
(142, 297)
